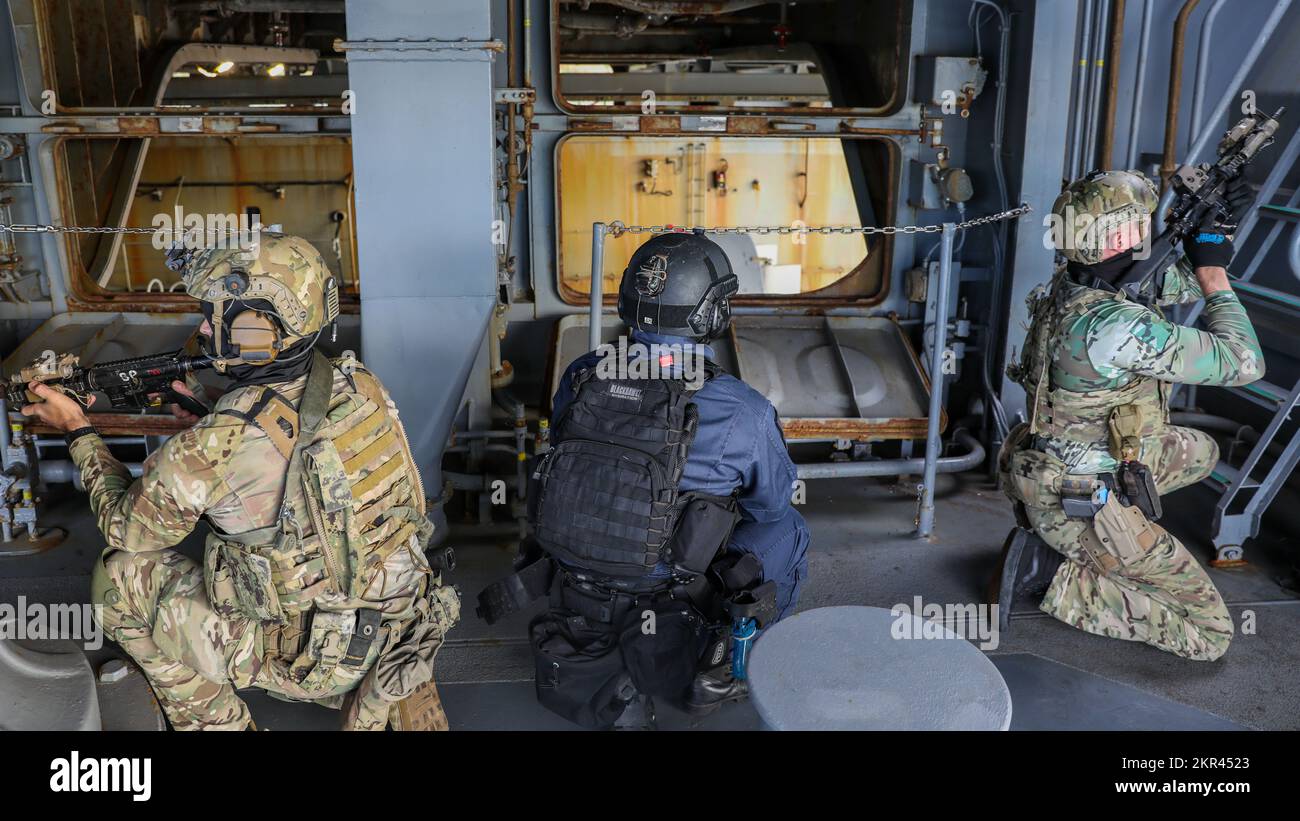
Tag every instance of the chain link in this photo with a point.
(617, 228)
(81, 229)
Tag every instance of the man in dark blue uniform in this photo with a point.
(674, 297)
(738, 448)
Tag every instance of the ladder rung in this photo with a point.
(1270, 294)
(1225, 474)
(1280, 212)
(1262, 390)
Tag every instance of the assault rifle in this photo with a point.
(129, 384)
(1199, 190)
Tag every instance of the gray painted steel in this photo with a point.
(422, 146)
(925, 522)
(1047, 103)
(863, 668)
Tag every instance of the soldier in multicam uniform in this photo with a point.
(1097, 368)
(315, 586)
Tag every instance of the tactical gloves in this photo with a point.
(1211, 245)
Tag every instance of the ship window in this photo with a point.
(730, 182)
(654, 57)
(303, 184)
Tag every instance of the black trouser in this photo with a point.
(602, 641)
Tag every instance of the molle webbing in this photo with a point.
(1085, 417)
(606, 495)
(1049, 314)
(351, 494)
(272, 414)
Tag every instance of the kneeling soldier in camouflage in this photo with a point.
(1097, 368)
(315, 585)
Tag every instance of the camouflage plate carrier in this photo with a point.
(319, 581)
(1112, 419)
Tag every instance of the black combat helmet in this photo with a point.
(678, 284)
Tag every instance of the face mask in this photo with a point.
(289, 363)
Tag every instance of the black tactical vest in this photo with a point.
(605, 498)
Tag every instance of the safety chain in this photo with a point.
(80, 229)
(617, 228)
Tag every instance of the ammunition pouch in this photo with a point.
(239, 579)
(703, 528)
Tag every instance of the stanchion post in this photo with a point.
(597, 283)
(941, 284)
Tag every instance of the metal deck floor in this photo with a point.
(863, 552)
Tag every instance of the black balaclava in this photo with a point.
(291, 363)
(1107, 272)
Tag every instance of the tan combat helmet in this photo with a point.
(1092, 208)
(285, 271)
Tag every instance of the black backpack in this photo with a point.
(605, 497)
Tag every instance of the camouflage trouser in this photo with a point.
(1165, 599)
(156, 607)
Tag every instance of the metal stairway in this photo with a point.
(1245, 494)
(1238, 512)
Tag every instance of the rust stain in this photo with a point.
(661, 125)
(747, 125)
(141, 126)
(858, 430)
(124, 424)
(847, 128)
(590, 125)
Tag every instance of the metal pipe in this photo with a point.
(1112, 83)
(288, 6)
(670, 7)
(4, 432)
(1139, 84)
(458, 436)
(1081, 93)
(925, 522)
(1212, 422)
(1094, 89)
(970, 460)
(1293, 252)
(478, 482)
(1175, 89)
(60, 471)
(1194, 125)
(597, 283)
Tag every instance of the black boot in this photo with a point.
(713, 688)
(1027, 569)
